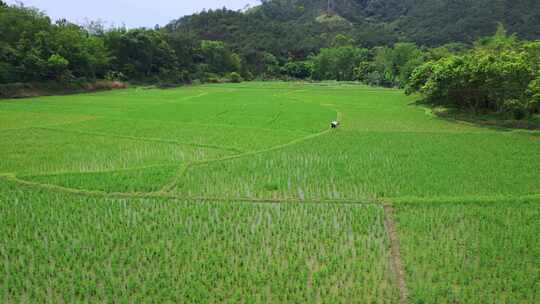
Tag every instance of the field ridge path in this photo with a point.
(143, 139)
(52, 126)
(395, 252)
(184, 170)
(159, 195)
(55, 173)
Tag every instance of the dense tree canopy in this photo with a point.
(302, 27)
(501, 74)
(140, 53)
(33, 49)
(338, 63)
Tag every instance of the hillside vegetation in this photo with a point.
(293, 25)
(276, 39)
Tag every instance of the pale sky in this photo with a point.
(146, 13)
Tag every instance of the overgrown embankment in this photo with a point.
(490, 120)
(22, 90)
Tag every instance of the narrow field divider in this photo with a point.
(247, 154)
(160, 195)
(51, 125)
(395, 252)
(462, 199)
(145, 139)
(101, 171)
(170, 186)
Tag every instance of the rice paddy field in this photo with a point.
(241, 193)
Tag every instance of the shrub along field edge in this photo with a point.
(25, 90)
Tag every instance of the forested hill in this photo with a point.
(303, 26)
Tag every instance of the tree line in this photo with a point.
(500, 74)
(34, 49)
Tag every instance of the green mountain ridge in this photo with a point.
(374, 22)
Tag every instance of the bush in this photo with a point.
(375, 79)
(213, 79)
(13, 89)
(297, 69)
(533, 94)
(235, 77)
(419, 78)
(248, 76)
(209, 78)
(58, 67)
(21, 90)
(115, 76)
(516, 108)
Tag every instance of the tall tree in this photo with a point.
(140, 53)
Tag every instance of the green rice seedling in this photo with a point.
(47, 151)
(64, 238)
(471, 252)
(387, 146)
(355, 165)
(109, 104)
(236, 139)
(242, 108)
(66, 248)
(143, 180)
(15, 120)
